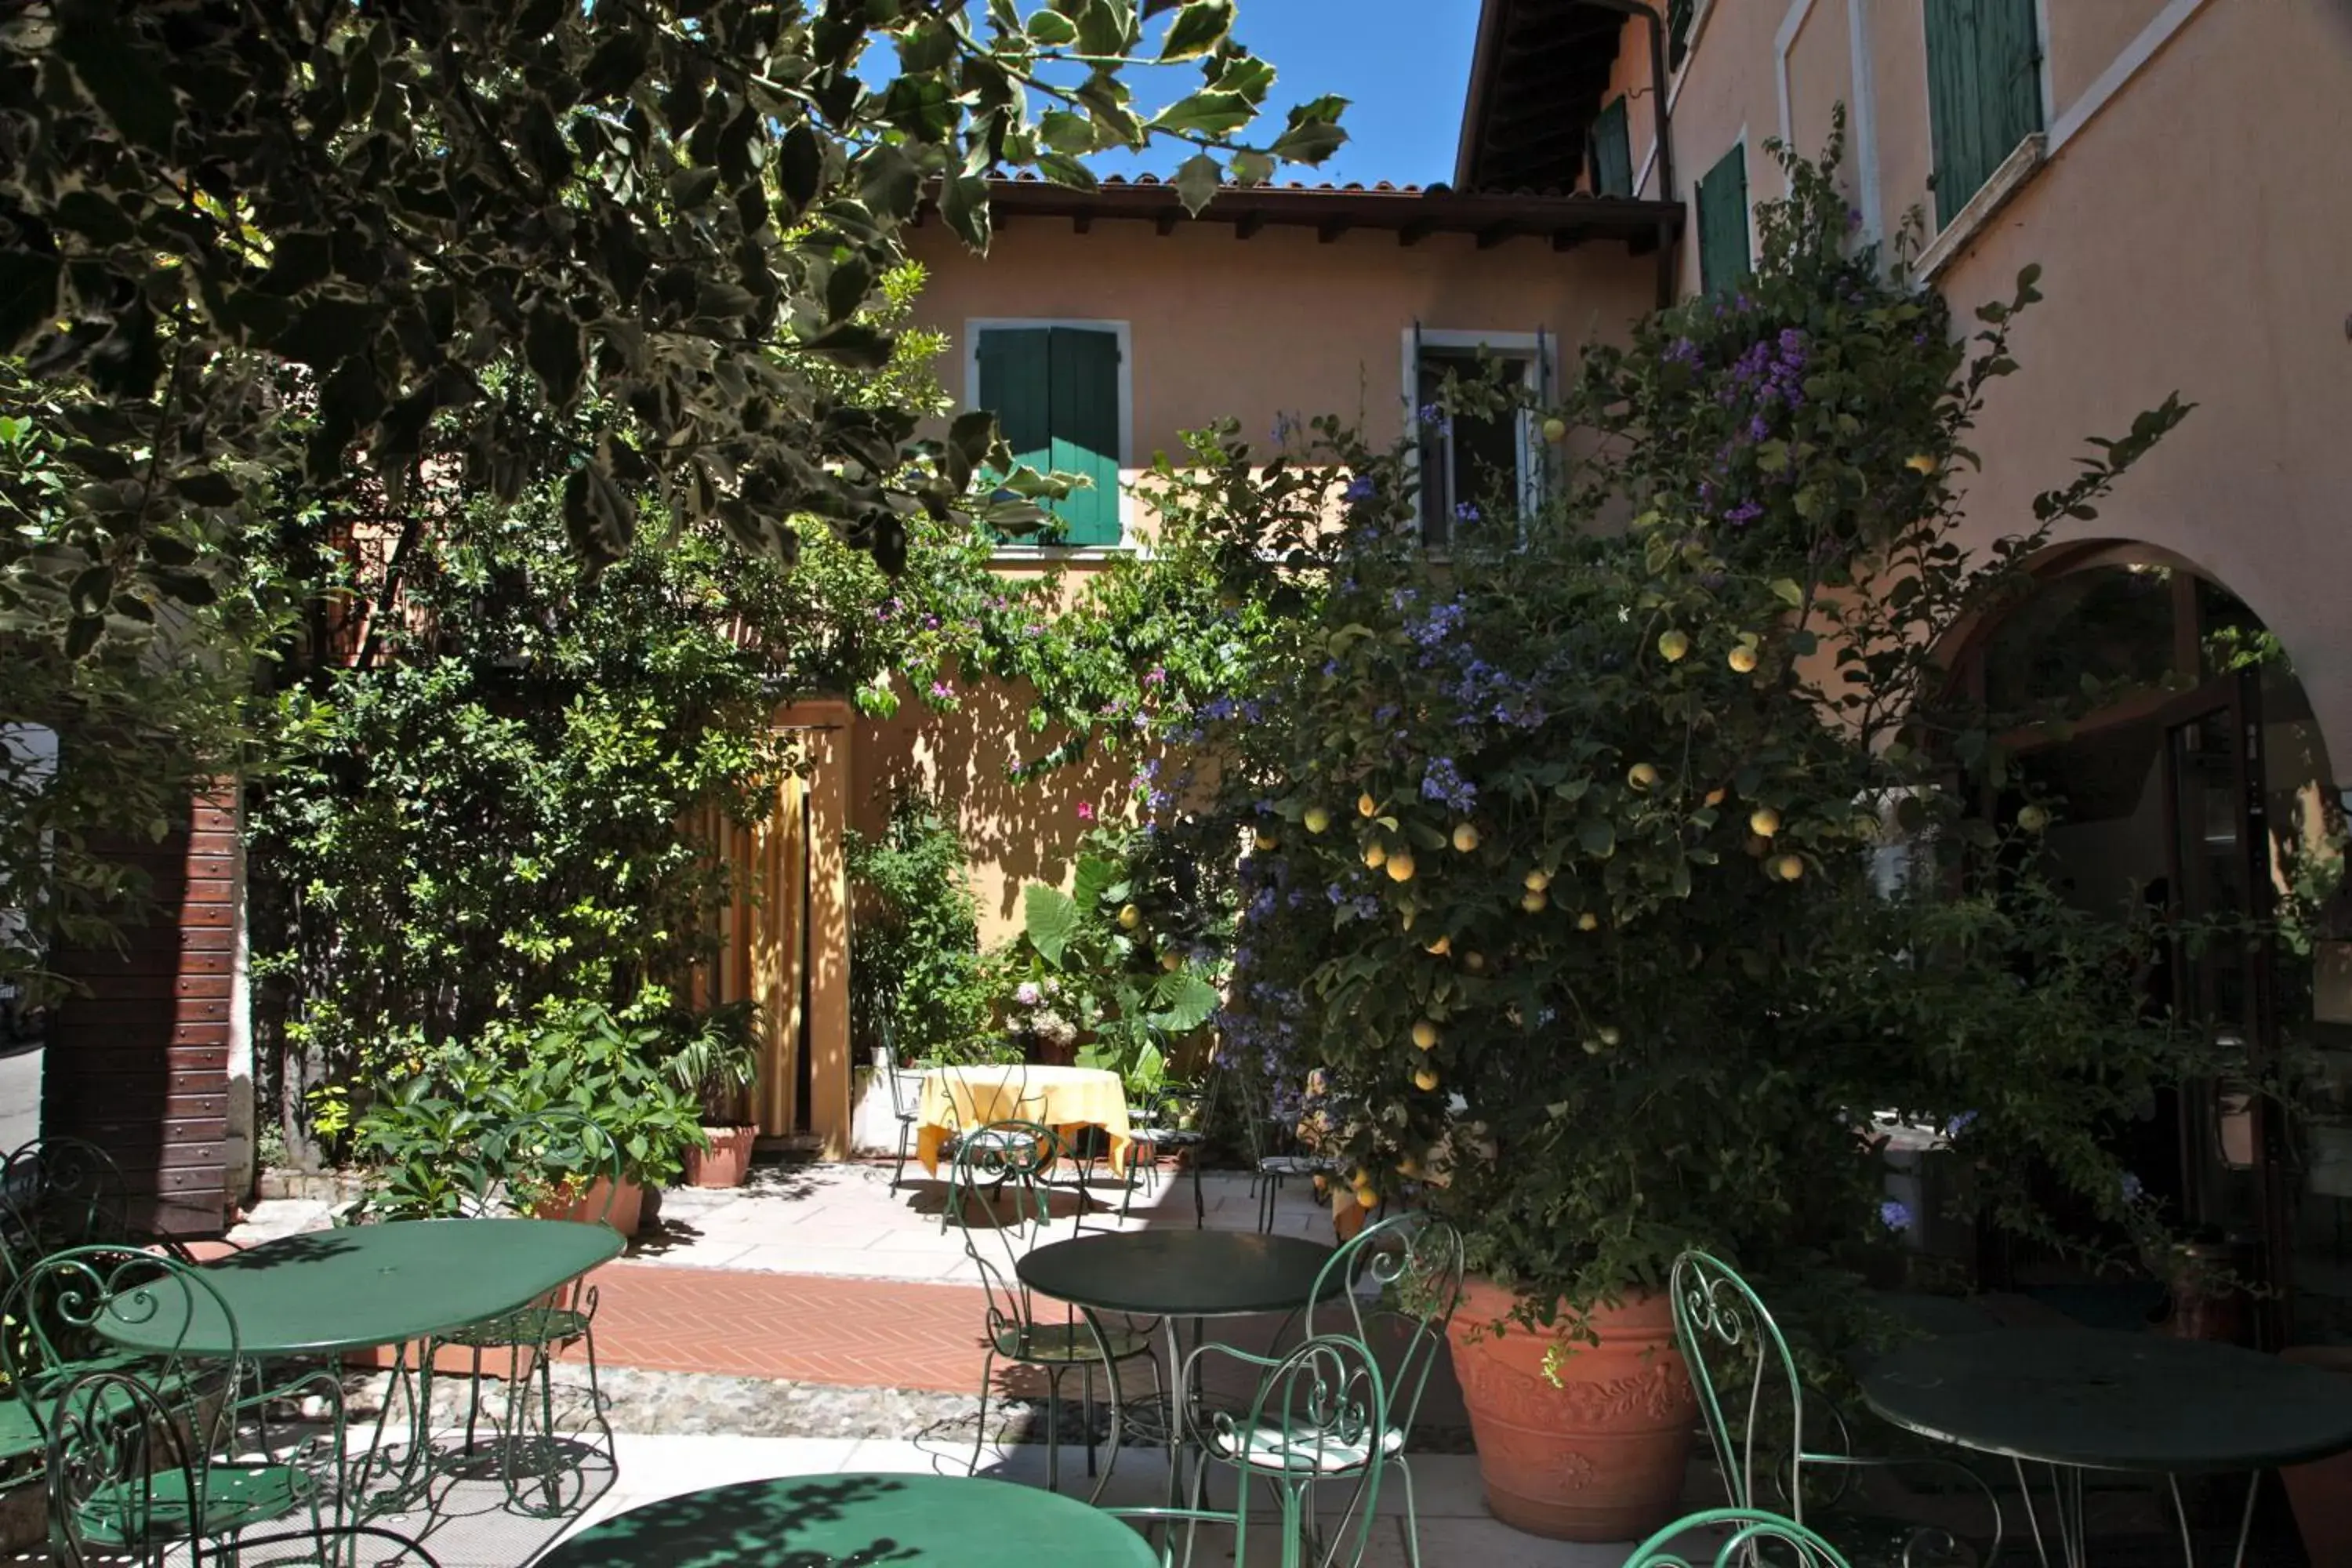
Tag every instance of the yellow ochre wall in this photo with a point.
(1279, 324)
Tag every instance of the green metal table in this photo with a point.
(2074, 1400)
(331, 1290)
(326, 1292)
(1173, 1276)
(821, 1521)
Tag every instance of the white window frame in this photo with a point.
(973, 326)
(1541, 351)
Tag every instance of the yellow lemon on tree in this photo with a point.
(1555, 429)
(1171, 963)
(1714, 797)
(1129, 917)
(1473, 962)
(1742, 659)
(1764, 822)
(1789, 867)
(1673, 645)
(1375, 853)
(1591, 1046)
(1441, 947)
(1315, 819)
(2033, 818)
(1920, 463)
(1642, 776)
(1424, 1078)
(1535, 903)
(1608, 1037)
(1424, 1035)
(1587, 921)
(1366, 805)
(1465, 839)
(1366, 1199)
(1268, 841)
(1537, 881)
(1401, 867)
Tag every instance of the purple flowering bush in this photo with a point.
(1604, 878)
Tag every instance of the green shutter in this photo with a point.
(1678, 26)
(1612, 152)
(1055, 391)
(1085, 431)
(1984, 91)
(1722, 201)
(1013, 386)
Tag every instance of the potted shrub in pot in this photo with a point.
(714, 1057)
(1604, 879)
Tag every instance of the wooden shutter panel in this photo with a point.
(1013, 386)
(1612, 152)
(1084, 418)
(1984, 91)
(1678, 26)
(1723, 258)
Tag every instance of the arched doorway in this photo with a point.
(2198, 786)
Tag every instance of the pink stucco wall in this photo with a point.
(2192, 223)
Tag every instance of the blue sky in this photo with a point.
(1403, 64)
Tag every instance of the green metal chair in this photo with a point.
(1730, 1343)
(1275, 1153)
(146, 1455)
(1172, 1118)
(1319, 1414)
(1399, 1277)
(517, 1169)
(1009, 1158)
(1750, 1536)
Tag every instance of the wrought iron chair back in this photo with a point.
(1721, 1324)
(63, 1192)
(56, 1313)
(1751, 1536)
(1319, 1414)
(993, 1161)
(1402, 1277)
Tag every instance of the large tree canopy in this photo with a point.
(215, 211)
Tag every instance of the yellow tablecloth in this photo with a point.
(1064, 1099)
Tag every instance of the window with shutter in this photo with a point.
(1612, 152)
(1470, 463)
(1678, 29)
(1055, 392)
(1722, 202)
(1984, 91)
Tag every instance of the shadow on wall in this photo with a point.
(1014, 831)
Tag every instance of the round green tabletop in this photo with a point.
(825, 1519)
(1177, 1273)
(2101, 1400)
(366, 1285)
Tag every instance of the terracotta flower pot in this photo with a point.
(588, 1206)
(729, 1161)
(1601, 1456)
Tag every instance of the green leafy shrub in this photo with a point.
(423, 1135)
(1090, 968)
(917, 981)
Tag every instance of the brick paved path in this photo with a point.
(866, 1333)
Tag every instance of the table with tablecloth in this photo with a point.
(957, 1099)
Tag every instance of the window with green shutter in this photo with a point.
(1984, 91)
(1055, 392)
(1612, 152)
(1722, 202)
(1678, 27)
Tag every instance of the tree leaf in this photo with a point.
(1050, 917)
(1313, 133)
(1196, 181)
(1051, 30)
(1199, 28)
(29, 296)
(1205, 113)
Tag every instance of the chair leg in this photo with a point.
(980, 1437)
(1200, 1205)
(1054, 1430)
(899, 1175)
(1411, 1515)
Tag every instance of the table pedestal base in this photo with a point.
(2069, 1538)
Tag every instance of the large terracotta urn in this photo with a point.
(1600, 1455)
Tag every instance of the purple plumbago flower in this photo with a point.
(942, 691)
(1337, 894)
(1155, 676)
(2134, 1190)
(1358, 490)
(1464, 512)
(1366, 906)
(1895, 1217)
(1959, 1124)
(1441, 780)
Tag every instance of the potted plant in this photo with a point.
(714, 1057)
(1567, 867)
